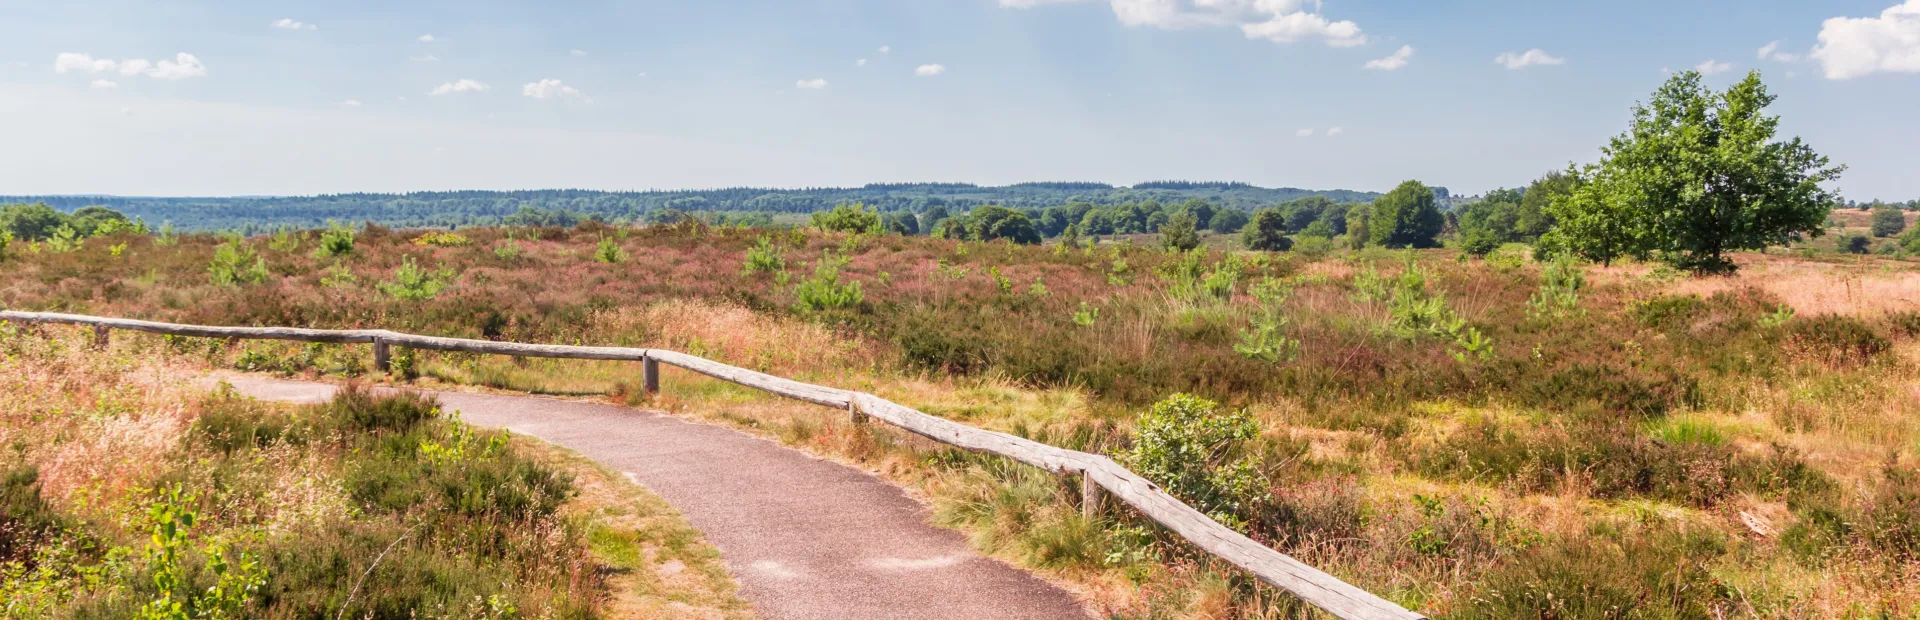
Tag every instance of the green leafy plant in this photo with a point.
(765, 257)
(411, 283)
(285, 240)
(1264, 341)
(1199, 454)
(65, 239)
(1777, 318)
(851, 218)
(508, 250)
(6, 240)
(609, 251)
(235, 263)
(1559, 294)
(442, 239)
(236, 579)
(336, 241)
(166, 236)
(1086, 316)
(825, 290)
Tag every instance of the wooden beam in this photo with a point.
(382, 358)
(650, 375)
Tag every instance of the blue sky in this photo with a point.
(295, 97)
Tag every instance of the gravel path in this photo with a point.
(805, 537)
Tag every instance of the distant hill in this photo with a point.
(480, 208)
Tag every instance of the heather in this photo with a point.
(1476, 437)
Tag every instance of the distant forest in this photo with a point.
(484, 208)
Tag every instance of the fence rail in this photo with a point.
(1096, 472)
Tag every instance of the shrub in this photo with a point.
(442, 239)
(6, 239)
(1180, 233)
(357, 407)
(1479, 242)
(336, 241)
(1667, 311)
(1888, 221)
(1198, 454)
(285, 240)
(1614, 389)
(1228, 221)
(508, 250)
(1559, 294)
(764, 257)
(825, 291)
(235, 263)
(1857, 244)
(609, 252)
(1835, 340)
(411, 283)
(851, 218)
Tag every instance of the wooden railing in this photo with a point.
(1096, 472)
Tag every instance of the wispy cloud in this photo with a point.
(886, 49)
(351, 103)
(929, 70)
(1771, 51)
(1530, 58)
(103, 84)
(1334, 131)
(577, 53)
(287, 23)
(1712, 66)
(181, 66)
(1280, 21)
(459, 86)
(427, 38)
(554, 89)
(813, 84)
(1398, 59)
(860, 63)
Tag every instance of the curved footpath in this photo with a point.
(806, 537)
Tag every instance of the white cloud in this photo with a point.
(351, 103)
(1852, 47)
(930, 70)
(287, 23)
(886, 49)
(553, 89)
(1394, 61)
(1771, 51)
(427, 58)
(181, 66)
(1303, 133)
(105, 84)
(643, 75)
(427, 38)
(1529, 58)
(1280, 21)
(1334, 131)
(1712, 66)
(813, 84)
(576, 53)
(459, 86)
(860, 63)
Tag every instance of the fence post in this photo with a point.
(650, 375)
(101, 336)
(1092, 497)
(382, 359)
(853, 411)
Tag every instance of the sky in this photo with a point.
(294, 97)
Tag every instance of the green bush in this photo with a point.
(764, 257)
(235, 263)
(851, 218)
(1267, 232)
(609, 252)
(1888, 221)
(1197, 453)
(336, 241)
(825, 290)
(411, 283)
(1667, 311)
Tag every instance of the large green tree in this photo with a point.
(1696, 175)
(1180, 233)
(993, 222)
(1405, 217)
(1888, 221)
(1267, 232)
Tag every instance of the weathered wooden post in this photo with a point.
(101, 335)
(1092, 497)
(382, 359)
(650, 375)
(853, 410)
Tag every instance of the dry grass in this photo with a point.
(1814, 288)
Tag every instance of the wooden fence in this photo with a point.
(1096, 472)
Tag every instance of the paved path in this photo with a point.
(807, 538)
